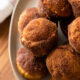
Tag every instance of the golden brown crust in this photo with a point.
(75, 7)
(56, 8)
(74, 34)
(40, 35)
(30, 64)
(26, 16)
(64, 64)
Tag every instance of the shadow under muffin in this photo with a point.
(64, 24)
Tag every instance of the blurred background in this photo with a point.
(6, 9)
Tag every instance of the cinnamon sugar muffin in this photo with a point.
(30, 67)
(26, 16)
(64, 64)
(74, 34)
(40, 36)
(75, 7)
(55, 8)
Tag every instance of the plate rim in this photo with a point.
(9, 39)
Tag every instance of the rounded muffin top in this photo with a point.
(39, 30)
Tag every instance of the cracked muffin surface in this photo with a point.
(63, 63)
(40, 36)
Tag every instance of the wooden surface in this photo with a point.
(5, 67)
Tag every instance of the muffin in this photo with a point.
(74, 34)
(40, 36)
(30, 67)
(55, 8)
(26, 16)
(64, 64)
(75, 7)
(64, 24)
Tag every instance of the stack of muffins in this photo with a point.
(40, 53)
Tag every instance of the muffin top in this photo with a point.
(39, 30)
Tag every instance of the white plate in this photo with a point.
(14, 43)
